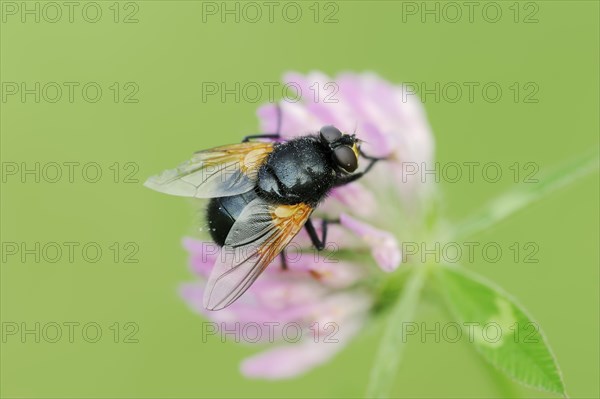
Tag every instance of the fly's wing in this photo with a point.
(261, 232)
(218, 172)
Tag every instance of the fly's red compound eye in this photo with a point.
(330, 134)
(346, 159)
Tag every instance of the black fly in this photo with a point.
(261, 195)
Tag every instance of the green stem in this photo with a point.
(391, 347)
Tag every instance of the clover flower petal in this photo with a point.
(384, 246)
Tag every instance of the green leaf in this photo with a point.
(501, 330)
(524, 195)
(390, 350)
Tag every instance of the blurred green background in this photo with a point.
(167, 54)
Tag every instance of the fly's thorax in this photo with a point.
(299, 170)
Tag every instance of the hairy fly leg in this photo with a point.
(319, 243)
(272, 136)
(284, 265)
(261, 136)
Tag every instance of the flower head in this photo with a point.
(315, 306)
(323, 293)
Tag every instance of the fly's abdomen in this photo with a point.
(223, 212)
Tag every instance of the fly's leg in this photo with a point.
(284, 265)
(261, 136)
(272, 136)
(319, 243)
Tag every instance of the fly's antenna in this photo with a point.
(355, 127)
